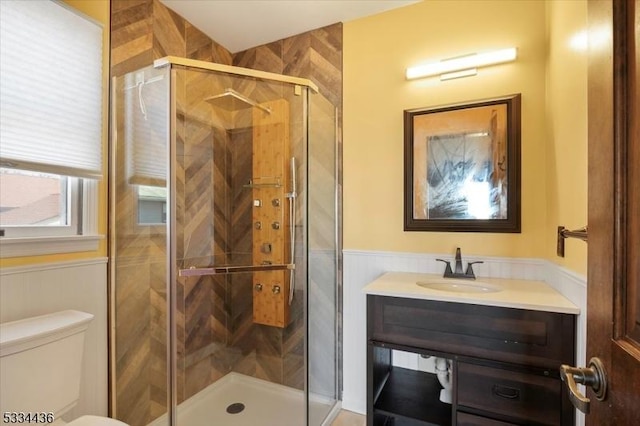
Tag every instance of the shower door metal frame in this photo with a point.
(229, 69)
(172, 266)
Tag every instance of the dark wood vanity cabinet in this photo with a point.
(505, 364)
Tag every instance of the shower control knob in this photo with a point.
(275, 289)
(258, 287)
(275, 225)
(257, 225)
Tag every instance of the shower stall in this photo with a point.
(223, 248)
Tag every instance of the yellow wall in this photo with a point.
(377, 50)
(567, 129)
(98, 10)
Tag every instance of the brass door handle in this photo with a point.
(592, 376)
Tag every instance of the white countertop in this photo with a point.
(515, 293)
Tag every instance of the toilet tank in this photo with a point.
(41, 362)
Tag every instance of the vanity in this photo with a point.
(505, 340)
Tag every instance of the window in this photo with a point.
(152, 205)
(50, 127)
(32, 203)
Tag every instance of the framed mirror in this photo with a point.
(462, 167)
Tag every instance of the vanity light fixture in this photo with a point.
(462, 66)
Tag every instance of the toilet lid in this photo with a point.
(95, 421)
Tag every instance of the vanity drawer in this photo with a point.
(514, 394)
(464, 419)
(517, 336)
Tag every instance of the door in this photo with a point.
(613, 312)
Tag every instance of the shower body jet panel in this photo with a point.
(271, 148)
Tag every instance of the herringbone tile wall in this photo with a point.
(215, 331)
(316, 55)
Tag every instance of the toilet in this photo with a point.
(41, 364)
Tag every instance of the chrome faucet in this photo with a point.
(457, 272)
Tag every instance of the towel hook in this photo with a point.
(564, 233)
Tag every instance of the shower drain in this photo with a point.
(235, 408)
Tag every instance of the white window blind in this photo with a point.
(50, 89)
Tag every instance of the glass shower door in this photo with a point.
(239, 342)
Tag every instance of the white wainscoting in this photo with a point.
(27, 291)
(361, 267)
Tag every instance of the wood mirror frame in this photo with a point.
(462, 167)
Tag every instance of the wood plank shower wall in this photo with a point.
(213, 339)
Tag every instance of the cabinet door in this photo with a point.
(516, 395)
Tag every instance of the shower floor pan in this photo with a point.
(263, 404)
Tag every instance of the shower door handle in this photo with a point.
(198, 272)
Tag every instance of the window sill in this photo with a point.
(35, 246)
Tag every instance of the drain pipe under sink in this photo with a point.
(443, 371)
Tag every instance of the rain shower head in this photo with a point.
(234, 101)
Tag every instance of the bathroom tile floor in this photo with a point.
(349, 418)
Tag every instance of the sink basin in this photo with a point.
(459, 286)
